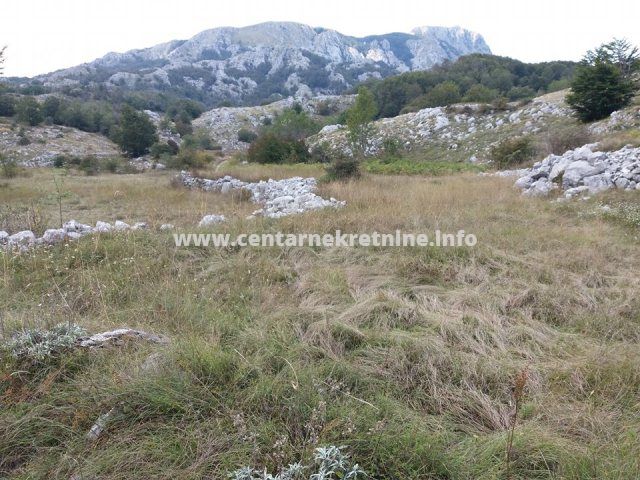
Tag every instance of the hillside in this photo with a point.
(266, 61)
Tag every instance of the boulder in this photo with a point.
(208, 220)
(102, 227)
(24, 238)
(54, 235)
(120, 226)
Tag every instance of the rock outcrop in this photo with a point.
(582, 170)
(278, 197)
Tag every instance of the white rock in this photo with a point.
(54, 235)
(166, 226)
(102, 227)
(120, 226)
(26, 237)
(208, 220)
(139, 226)
(4, 237)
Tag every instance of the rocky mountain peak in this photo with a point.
(269, 61)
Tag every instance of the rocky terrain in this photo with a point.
(254, 63)
(47, 142)
(223, 124)
(467, 129)
(582, 170)
(278, 197)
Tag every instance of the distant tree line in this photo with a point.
(472, 78)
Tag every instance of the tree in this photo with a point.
(603, 82)
(359, 120)
(2, 58)
(135, 132)
(28, 111)
(445, 93)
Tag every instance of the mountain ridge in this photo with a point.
(268, 61)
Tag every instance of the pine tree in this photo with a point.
(604, 81)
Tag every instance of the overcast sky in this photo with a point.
(45, 35)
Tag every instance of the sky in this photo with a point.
(45, 35)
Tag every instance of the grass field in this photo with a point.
(406, 356)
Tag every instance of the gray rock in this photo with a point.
(4, 237)
(24, 238)
(209, 220)
(576, 171)
(166, 226)
(120, 226)
(102, 227)
(54, 235)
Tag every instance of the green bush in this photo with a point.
(189, 159)
(271, 148)
(512, 151)
(28, 111)
(8, 167)
(135, 132)
(246, 136)
(343, 168)
(7, 106)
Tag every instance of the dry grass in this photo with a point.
(406, 355)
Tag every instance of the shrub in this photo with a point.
(512, 151)
(246, 136)
(59, 161)
(23, 140)
(158, 149)
(89, 165)
(37, 346)
(343, 168)
(28, 111)
(561, 139)
(7, 106)
(326, 108)
(189, 159)
(270, 148)
(8, 167)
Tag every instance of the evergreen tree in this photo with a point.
(135, 133)
(603, 82)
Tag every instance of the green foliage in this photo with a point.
(294, 123)
(445, 93)
(28, 111)
(478, 78)
(272, 148)
(38, 346)
(359, 120)
(603, 82)
(480, 94)
(8, 166)
(246, 136)
(188, 159)
(7, 105)
(407, 166)
(512, 151)
(135, 132)
(343, 168)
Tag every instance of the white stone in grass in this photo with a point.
(102, 227)
(54, 235)
(139, 226)
(208, 220)
(26, 237)
(121, 226)
(4, 237)
(166, 226)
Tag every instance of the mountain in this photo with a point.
(267, 62)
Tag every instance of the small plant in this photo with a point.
(59, 161)
(329, 463)
(36, 346)
(512, 151)
(343, 168)
(246, 135)
(518, 395)
(8, 167)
